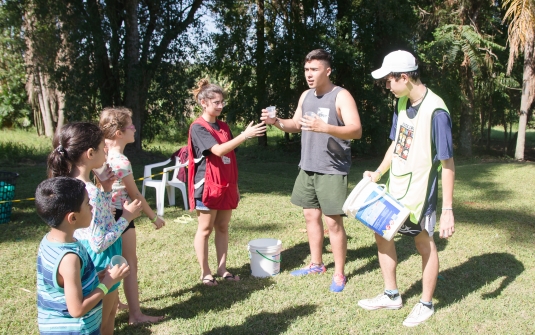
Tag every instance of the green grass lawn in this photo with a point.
(485, 285)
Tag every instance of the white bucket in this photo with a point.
(375, 208)
(265, 255)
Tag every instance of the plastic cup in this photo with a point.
(118, 260)
(310, 114)
(102, 172)
(272, 111)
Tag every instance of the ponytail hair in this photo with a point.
(205, 90)
(113, 119)
(69, 144)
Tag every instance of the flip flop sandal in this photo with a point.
(230, 277)
(209, 282)
(184, 219)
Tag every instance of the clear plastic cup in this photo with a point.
(102, 172)
(118, 260)
(311, 114)
(272, 111)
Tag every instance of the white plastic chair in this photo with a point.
(165, 184)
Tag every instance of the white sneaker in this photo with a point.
(381, 301)
(419, 314)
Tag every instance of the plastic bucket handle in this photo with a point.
(269, 259)
(379, 196)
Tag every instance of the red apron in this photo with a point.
(221, 177)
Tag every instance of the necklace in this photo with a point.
(420, 98)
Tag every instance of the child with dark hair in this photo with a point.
(69, 293)
(78, 149)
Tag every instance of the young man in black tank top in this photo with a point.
(321, 187)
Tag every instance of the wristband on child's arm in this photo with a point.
(154, 220)
(103, 288)
(380, 174)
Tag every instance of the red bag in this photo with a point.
(182, 155)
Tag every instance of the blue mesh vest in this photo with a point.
(323, 153)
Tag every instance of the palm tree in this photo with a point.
(521, 38)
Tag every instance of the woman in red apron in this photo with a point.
(213, 178)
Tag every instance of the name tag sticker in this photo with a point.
(226, 160)
(323, 114)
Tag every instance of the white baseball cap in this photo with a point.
(397, 61)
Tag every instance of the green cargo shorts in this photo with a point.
(327, 192)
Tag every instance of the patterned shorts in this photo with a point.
(427, 223)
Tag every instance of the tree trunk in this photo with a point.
(344, 36)
(37, 120)
(60, 96)
(489, 125)
(260, 65)
(109, 89)
(482, 122)
(504, 120)
(528, 82)
(133, 75)
(45, 105)
(467, 112)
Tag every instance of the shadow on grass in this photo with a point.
(456, 283)
(479, 211)
(266, 323)
(519, 226)
(294, 257)
(404, 248)
(202, 299)
(24, 226)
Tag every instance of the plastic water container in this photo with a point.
(265, 256)
(375, 208)
(7, 193)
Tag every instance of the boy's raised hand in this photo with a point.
(113, 275)
(132, 210)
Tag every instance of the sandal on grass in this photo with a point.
(184, 219)
(209, 282)
(230, 277)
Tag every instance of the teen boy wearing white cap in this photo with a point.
(421, 147)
